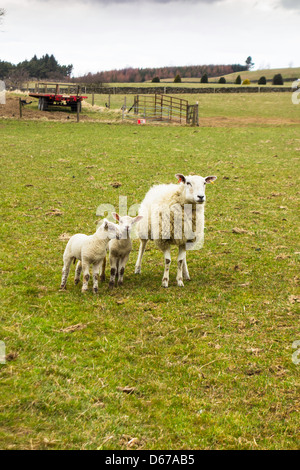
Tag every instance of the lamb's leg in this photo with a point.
(113, 271)
(122, 265)
(167, 256)
(102, 272)
(78, 272)
(180, 264)
(86, 276)
(65, 272)
(96, 268)
(138, 266)
(186, 274)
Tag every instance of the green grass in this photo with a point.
(210, 365)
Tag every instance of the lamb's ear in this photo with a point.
(180, 177)
(137, 219)
(115, 216)
(210, 179)
(105, 224)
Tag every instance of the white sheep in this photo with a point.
(174, 215)
(88, 249)
(119, 250)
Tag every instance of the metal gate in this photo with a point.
(163, 108)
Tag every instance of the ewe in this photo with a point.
(119, 250)
(174, 215)
(88, 249)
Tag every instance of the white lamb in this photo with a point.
(88, 249)
(119, 250)
(174, 215)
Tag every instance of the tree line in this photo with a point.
(43, 68)
(138, 75)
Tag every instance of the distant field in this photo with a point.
(207, 366)
(293, 72)
(268, 73)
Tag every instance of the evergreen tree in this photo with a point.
(277, 79)
(249, 63)
(262, 81)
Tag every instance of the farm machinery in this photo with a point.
(58, 94)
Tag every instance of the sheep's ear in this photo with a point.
(137, 219)
(210, 179)
(115, 216)
(180, 177)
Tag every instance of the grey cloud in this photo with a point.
(291, 4)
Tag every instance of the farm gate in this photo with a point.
(164, 108)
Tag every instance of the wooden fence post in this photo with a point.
(93, 99)
(20, 107)
(109, 101)
(78, 108)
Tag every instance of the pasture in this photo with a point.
(207, 366)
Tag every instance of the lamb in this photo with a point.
(119, 250)
(166, 209)
(88, 249)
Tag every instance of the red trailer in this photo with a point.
(58, 94)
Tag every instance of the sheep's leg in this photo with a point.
(113, 271)
(65, 272)
(86, 276)
(186, 274)
(138, 266)
(122, 265)
(102, 272)
(167, 256)
(180, 264)
(96, 268)
(78, 272)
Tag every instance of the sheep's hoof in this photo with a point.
(180, 283)
(76, 281)
(120, 283)
(95, 290)
(62, 287)
(165, 283)
(137, 270)
(111, 285)
(84, 290)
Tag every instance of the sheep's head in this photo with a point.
(194, 187)
(125, 223)
(109, 230)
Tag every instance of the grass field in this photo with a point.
(207, 366)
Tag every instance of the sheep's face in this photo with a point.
(194, 187)
(125, 223)
(109, 230)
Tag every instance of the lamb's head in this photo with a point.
(109, 230)
(125, 223)
(194, 187)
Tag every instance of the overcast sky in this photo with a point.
(96, 35)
